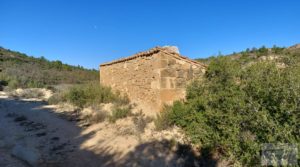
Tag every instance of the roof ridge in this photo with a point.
(149, 53)
(139, 54)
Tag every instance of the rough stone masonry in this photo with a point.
(152, 78)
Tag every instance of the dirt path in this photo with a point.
(34, 134)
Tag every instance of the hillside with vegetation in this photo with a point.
(276, 54)
(21, 71)
(244, 100)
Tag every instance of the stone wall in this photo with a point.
(138, 78)
(151, 78)
(175, 74)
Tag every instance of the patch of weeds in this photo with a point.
(120, 112)
(141, 121)
(92, 93)
(33, 94)
(56, 98)
(126, 131)
(100, 116)
(163, 121)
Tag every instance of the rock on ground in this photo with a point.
(26, 154)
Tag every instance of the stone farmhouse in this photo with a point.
(151, 78)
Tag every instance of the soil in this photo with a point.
(33, 133)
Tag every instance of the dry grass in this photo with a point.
(98, 117)
(141, 121)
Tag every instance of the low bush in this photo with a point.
(93, 94)
(163, 120)
(3, 83)
(89, 94)
(277, 50)
(263, 51)
(119, 112)
(57, 98)
(13, 84)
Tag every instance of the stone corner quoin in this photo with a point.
(152, 78)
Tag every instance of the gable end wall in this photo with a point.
(152, 80)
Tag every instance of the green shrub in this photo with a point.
(77, 96)
(93, 93)
(34, 84)
(163, 119)
(277, 50)
(57, 98)
(3, 83)
(119, 113)
(171, 115)
(233, 110)
(13, 84)
(263, 51)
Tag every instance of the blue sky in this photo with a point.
(90, 32)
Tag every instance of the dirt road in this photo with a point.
(30, 132)
(34, 134)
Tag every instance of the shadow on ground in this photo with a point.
(149, 154)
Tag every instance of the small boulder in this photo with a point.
(29, 155)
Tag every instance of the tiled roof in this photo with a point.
(152, 52)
